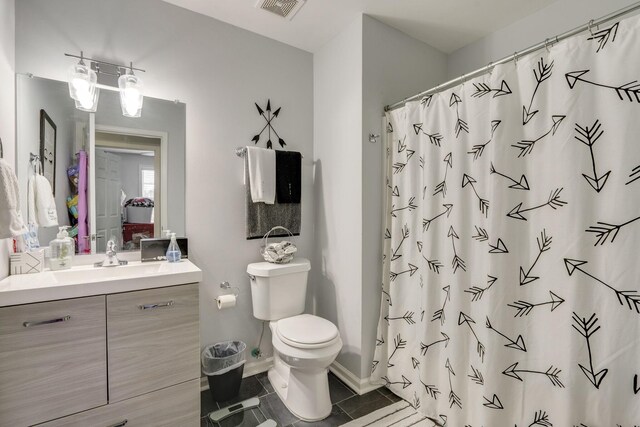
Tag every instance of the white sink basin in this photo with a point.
(89, 280)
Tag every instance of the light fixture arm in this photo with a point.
(82, 57)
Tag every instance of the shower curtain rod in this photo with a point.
(516, 55)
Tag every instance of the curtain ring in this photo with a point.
(591, 27)
(546, 45)
(515, 58)
(490, 68)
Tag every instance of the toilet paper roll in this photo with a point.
(226, 301)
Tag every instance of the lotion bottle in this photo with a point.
(62, 250)
(173, 251)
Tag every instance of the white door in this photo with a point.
(107, 195)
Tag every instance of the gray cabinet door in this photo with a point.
(52, 360)
(153, 340)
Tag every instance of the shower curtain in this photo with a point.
(511, 273)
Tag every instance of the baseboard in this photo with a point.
(250, 369)
(358, 385)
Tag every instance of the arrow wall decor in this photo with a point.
(541, 74)
(588, 136)
(630, 91)
(526, 145)
(630, 298)
(587, 328)
(269, 117)
(478, 149)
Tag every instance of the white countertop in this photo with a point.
(86, 280)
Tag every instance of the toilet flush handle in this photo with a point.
(252, 277)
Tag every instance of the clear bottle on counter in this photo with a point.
(173, 251)
(62, 249)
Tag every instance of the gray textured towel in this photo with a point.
(262, 217)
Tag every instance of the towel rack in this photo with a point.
(242, 151)
(34, 160)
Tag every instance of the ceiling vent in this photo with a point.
(283, 8)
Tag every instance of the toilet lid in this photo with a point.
(306, 329)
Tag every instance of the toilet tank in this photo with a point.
(278, 290)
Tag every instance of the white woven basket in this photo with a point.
(278, 253)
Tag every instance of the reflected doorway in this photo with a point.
(127, 189)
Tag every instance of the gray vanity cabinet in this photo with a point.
(52, 359)
(122, 359)
(153, 340)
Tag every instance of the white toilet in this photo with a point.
(304, 345)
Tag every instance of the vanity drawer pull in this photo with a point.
(156, 305)
(120, 424)
(46, 322)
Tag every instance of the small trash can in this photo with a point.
(223, 364)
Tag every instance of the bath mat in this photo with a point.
(400, 414)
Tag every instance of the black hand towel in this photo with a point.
(288, 176)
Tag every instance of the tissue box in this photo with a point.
(27, 262)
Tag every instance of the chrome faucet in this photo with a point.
(112, 256)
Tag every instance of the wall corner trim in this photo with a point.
(359, 385)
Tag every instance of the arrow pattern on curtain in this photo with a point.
(479, 302)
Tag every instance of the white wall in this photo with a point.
(130, 176)
(395, 66)
(7, 101)
(336, 273)
(367, 66)
(557, 18)
(219, 71)
(36, 94)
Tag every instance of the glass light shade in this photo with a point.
(130, 95)
(82, 87)
(87, 102)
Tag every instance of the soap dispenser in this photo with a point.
(173, 251)
(62, 250)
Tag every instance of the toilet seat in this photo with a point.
(306, 331)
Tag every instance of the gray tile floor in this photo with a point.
(346, 405)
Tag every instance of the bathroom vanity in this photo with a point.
(101, 347)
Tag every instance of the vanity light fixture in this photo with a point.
(130, 94)
(85, 82)
(83, 86)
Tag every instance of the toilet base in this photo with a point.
(305, 393)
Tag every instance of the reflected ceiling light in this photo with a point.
(130, 94)
(85, 82)
(82, 86)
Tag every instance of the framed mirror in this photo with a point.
(115, 177)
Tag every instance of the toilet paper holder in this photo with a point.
(227, 285)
